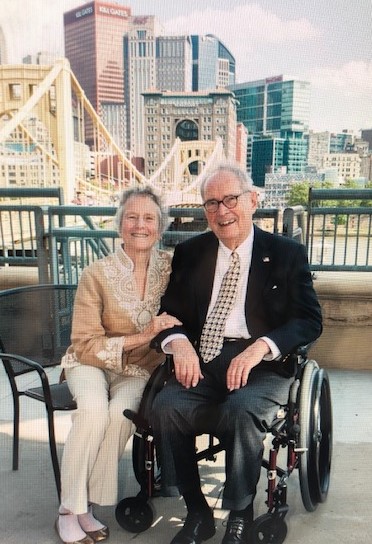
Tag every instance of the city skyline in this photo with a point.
(328, 45)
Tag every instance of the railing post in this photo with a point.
(289, 228)
(41, 247)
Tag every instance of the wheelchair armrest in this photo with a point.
(301, 351)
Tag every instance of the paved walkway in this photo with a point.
(28, 500)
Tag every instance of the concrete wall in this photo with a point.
(346, 300)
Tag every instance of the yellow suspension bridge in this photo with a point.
(43, 117)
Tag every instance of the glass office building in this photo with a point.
(275, 106)
(267, 158)
(276, 112)
(213, 66)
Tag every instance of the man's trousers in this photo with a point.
(239, 419)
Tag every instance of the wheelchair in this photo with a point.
(303, 427)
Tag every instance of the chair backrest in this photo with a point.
(35, 322)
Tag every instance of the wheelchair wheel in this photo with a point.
(268, 529)
(134, 514)
(315, 418)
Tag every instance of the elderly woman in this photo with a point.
(110, 360)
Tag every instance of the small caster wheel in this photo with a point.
(134, 514)
(268, 529)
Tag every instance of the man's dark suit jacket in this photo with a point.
(280, 303)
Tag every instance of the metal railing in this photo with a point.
(62, 240)
(23, 229)
(46, 195)
(188, 222)
(22, 238)
(78, 236)
(294, 225)
(339, 228)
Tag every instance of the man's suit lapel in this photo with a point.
(261, 266)
(204, 276)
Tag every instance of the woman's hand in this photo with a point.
(161, 323)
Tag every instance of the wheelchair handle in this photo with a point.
(129, 414)
(139, 421)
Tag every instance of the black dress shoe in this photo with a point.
(237, 531)
(197, 528)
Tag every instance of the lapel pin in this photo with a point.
(266, 259)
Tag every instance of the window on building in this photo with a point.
(52, 99)
(15, 91)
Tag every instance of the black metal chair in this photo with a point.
(35, 327)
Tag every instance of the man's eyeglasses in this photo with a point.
(229, 201)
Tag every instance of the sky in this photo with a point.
(326, 42)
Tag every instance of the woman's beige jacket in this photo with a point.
(107, 308)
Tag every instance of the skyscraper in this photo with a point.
(318, 146)
(140, 75)
(213, 65)
(174, 63)
(94, 46)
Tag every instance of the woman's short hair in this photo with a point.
(246, 183)
(145, 191)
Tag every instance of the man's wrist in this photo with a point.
(263, 346)
(166, 344)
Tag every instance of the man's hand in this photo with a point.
(240, 367)
(186, 363)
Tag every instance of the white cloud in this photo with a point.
(245, 26)
(342, 95)
(354, 77)
(254, 35)
(33, 26)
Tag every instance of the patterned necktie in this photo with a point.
(211, 339)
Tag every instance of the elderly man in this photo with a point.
(246, 301)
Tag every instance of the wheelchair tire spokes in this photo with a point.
(321, 450)
(315, 436)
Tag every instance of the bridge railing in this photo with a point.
(339, 229)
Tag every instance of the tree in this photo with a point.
(299, 192)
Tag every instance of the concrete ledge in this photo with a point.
(17, 276)
(346, 300)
